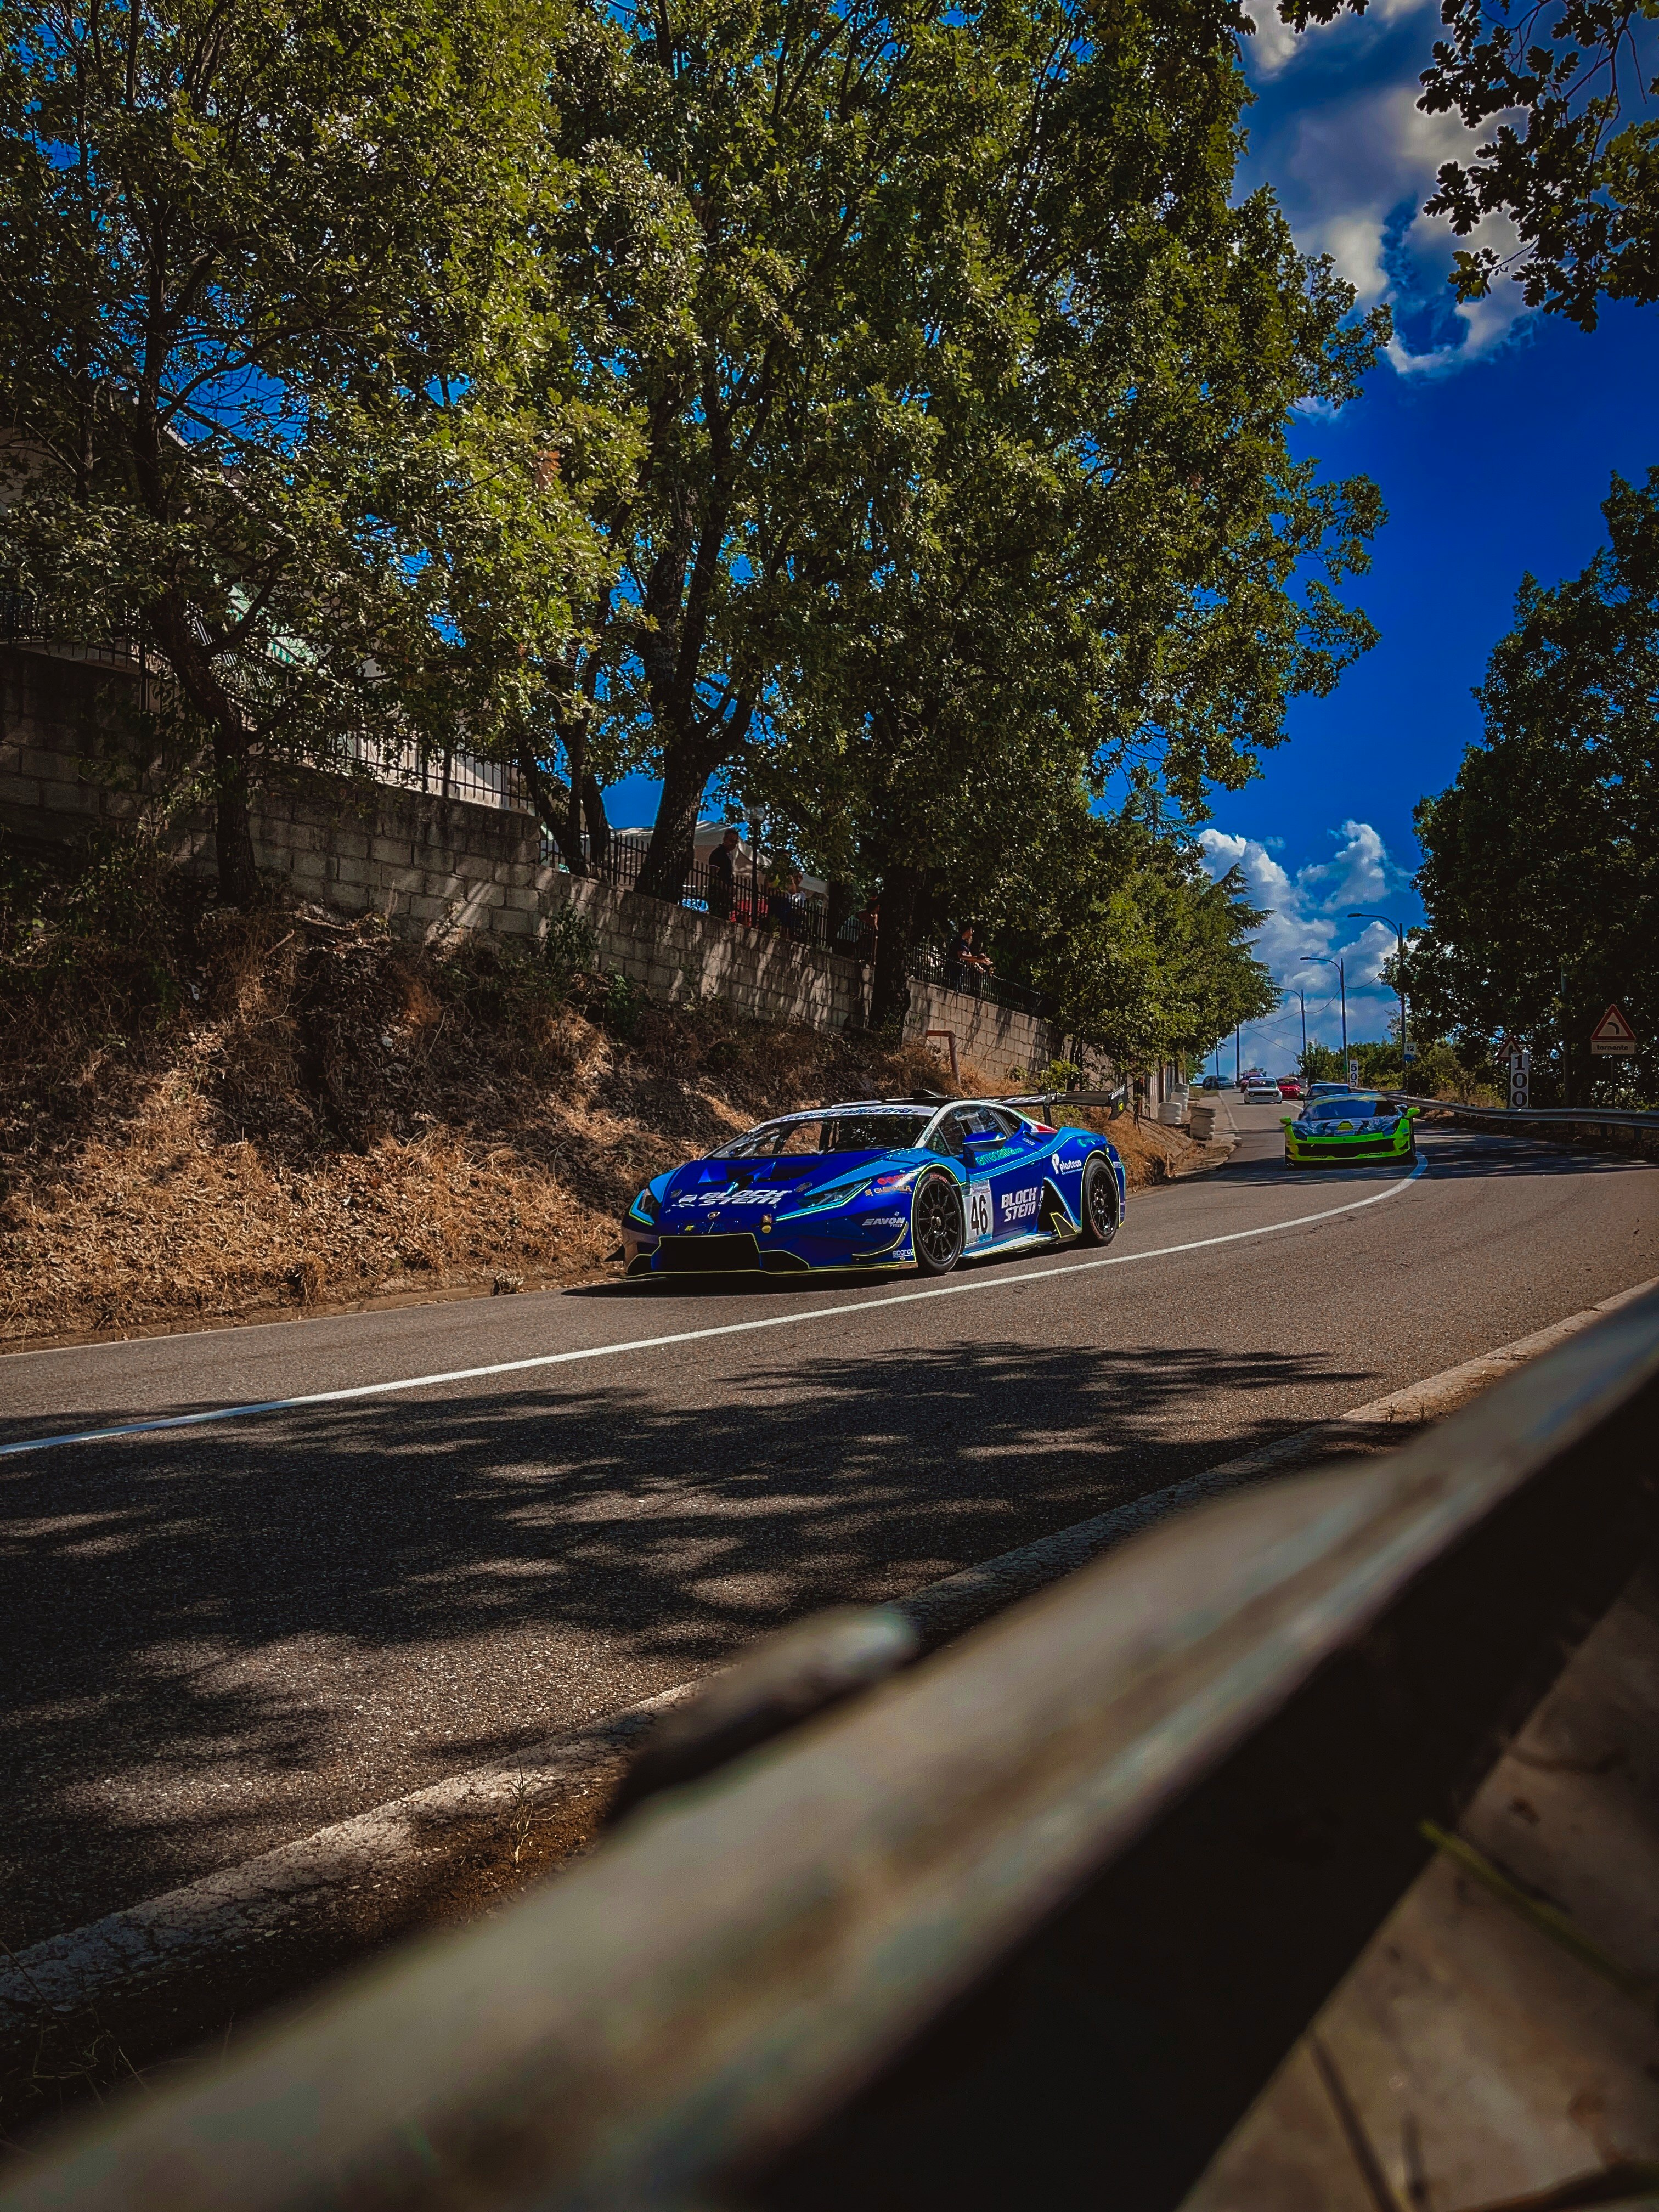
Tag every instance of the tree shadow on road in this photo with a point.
(218, 1639)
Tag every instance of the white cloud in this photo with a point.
(1352, 164)
(1308, 914)
(1276, 45)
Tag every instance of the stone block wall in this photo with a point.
(442, 869)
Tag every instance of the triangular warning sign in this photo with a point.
(1613, 1029)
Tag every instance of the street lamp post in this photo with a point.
(1389, 922)
(1320, 960)
(1301, 998)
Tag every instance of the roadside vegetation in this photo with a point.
(1541, 872)
(210, 1114)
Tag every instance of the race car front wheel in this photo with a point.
(1098, 1201)
(938, 1231)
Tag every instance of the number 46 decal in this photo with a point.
(978, 1212)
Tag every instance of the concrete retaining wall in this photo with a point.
(444, 869)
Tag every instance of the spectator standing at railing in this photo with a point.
(963, 967)
(723, 875)
(784, 906)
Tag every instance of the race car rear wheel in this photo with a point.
(937, 1229)
(1098, 1201)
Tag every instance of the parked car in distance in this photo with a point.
(1328, 1090)
(1290, 1086)
(1212, 1083)
(1261, 1094)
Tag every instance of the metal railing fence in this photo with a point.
(454, 773)
(931, 964)
(752, 902)
(26, 620)
(445, 772)
(1040, 1913)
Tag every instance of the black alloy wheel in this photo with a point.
(1098, 1201)
(938, 1231)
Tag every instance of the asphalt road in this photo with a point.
(217, 1638)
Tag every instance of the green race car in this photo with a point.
(1344, 1126)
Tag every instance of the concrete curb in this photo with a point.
(149, 1976)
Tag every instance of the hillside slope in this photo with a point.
(208, 1117)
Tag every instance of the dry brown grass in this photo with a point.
(256, 1114)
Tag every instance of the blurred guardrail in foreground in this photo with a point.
(1028, 1923)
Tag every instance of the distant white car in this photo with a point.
(1262, 1094)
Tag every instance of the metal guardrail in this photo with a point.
(1031, 1922)
(1614, 1117)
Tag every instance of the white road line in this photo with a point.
(694, 1335)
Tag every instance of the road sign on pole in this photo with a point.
(1408, 1054)
(1353, 1074)
(1612, 1037)
(1519, 1080)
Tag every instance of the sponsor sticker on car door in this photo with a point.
(981, 1220)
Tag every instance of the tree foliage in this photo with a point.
(1541, 867)
(1148, 957)
(1063, 540)
(878, 407)
(267, 315)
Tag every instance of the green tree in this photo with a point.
(1541, 873)
(267, 332)
(1069, 543)
(745, 187)
(1141, 955)
(958, 375)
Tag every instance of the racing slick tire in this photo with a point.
(939, 1227)
(1098, 1201)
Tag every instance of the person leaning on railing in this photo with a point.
(785, 909)
(965, 968)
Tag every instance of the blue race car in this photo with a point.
(876, 1184)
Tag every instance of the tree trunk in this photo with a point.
(843, 905)
(233, 835)
(902, 914)
(672, 848)
(599, 822)
(170, 624)
(550, 795)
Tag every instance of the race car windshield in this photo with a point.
(887, 1131)
(1347, 1109)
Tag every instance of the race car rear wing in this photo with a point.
(1047, 1098)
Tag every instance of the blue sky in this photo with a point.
(1493, 434)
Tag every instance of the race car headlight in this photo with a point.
(838, 1195)
(843, 1193)
(645, 1207)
